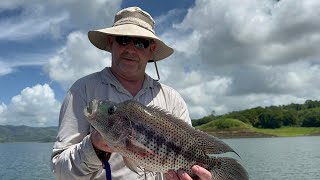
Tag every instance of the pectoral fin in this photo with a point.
(137, 147)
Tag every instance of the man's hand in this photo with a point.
(202, 174)
(98, 142)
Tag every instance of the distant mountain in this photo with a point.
(10, 133)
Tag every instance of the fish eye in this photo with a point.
(112, 109)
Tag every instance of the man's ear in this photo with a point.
(153, 47)
(110, 41)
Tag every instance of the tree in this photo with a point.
(293, 106)
(312, 104)
(311, 119)
(213, 113)
(290, 118)
(201, 121)
(270, 119)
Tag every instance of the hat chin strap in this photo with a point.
(155, 65)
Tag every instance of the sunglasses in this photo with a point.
(139, 43)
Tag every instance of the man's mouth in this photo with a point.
(129, 58)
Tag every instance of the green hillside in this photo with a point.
(27, 134)
(230, 128)
(284, 120)
(233, 128)
(221, 124)
(297, 115)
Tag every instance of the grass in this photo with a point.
(236, 127)
(290, 131)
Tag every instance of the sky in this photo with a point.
(229, 55)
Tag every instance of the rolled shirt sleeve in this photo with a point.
(73, 155)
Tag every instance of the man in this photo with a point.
(132, 43)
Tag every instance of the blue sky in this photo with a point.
(229, 55)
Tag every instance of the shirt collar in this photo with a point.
(107, 77)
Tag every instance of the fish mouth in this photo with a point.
(91, 110)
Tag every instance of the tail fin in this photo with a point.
(224, 168)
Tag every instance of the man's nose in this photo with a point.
(131, 46)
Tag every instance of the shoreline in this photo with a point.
(247, 133)
(231, 134)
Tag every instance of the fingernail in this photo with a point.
(181, 173)
(196, 168)
(171, 174)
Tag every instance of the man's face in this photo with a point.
(127, 59)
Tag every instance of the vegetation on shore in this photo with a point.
(228, 128)
(27, 134)
(221, 124)
(285, 120)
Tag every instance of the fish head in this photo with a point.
(109, 120)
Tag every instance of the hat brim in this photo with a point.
(99, 38)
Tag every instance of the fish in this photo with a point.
(152, 139)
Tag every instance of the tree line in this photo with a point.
(304, 115)
(10, 133)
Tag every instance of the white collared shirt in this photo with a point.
(73, 155)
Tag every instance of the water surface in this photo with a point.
(294, 158)
(25, 161)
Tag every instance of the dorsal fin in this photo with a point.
(206, 142)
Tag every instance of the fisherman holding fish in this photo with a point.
(80, 150)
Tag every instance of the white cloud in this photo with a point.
(35, 106)
(255, 31)
(5, 68)
(98, 13)
(8, 66)
(241, 102)
(31, 25)
(202, 98)
(77, 59)
(3, 108)
(262, 52)
(54, 18)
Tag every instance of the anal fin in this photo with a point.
(131, 164)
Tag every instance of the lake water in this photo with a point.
(294, 158)
(25, 161)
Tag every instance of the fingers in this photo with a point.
(183, 175)
(171, 175)
(98, 142)
(180, 175)
(201, 172)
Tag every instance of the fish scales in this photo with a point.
(168, 152)
(151, 138)
(157, 122)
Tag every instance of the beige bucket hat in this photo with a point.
(135, 22)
